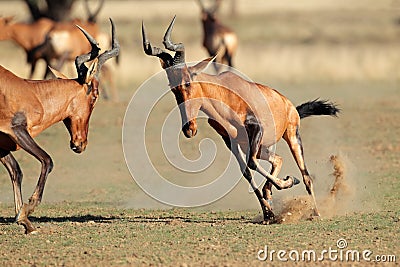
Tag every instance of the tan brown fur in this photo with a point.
(26, 35)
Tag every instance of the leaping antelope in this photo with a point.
(218, 39)
(250, 117)
(27, 107)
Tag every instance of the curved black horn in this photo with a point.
(91, 40)
(80, 60)
(178, 48)
(155, 51)
(109, 53)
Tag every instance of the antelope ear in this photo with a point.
(57, 74)
(91, 71)
(202, 65)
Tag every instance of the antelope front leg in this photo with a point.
(26, 142)
(14, 170)
(265, 206)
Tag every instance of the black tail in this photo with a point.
(317, 107)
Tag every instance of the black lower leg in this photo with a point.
(26, 142)
(268, 215)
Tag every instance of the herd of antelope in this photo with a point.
(250, 117)
(56, 42)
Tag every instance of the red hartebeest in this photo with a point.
(250, 117)
(27, 107)
(218, 39)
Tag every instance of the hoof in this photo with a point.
(32, 232)
(316, 213)
(29, 228)
(22, 219)
(294, 179)
(269, 218)
(314, 218)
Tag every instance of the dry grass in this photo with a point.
(332, 63)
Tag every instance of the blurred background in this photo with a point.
(278, 40)
(346, 51)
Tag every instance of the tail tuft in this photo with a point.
(317, 107)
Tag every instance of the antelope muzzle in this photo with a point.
(78, 146)
(189, 129)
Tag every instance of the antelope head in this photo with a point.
(83, 103)
(181, 78)
(209, 14)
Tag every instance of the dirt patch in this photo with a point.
(295, 209)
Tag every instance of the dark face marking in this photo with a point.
(180, 84)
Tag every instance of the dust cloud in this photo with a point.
(334, 201)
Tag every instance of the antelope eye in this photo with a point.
(187, 84)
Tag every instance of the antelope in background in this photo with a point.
(32, 36)
(64, 42)
(28, 107)
(26, 35)
(218, 39)
(250, 117)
